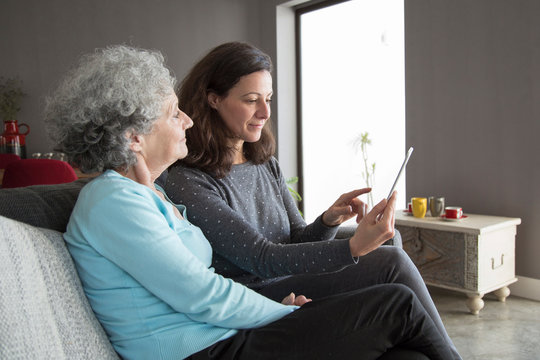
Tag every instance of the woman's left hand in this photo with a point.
(347, 206)
(292, 299)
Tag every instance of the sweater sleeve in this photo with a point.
(240, 242)
(137, 233)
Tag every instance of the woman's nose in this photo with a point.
(263, 111)
(189, 122)
(186, 121)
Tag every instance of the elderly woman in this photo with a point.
(146, 269)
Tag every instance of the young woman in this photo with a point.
(236, 193)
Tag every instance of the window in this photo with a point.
(351, 82)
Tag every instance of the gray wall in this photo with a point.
(472, 75)
(40, 40)
(473, 110)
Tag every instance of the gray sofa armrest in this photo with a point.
(345, 232)
(46, 206)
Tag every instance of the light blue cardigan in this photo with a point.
(147, 274)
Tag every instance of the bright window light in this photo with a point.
(353, 82)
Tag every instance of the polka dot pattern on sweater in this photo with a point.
(253, 223)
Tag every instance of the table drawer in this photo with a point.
(496, 259)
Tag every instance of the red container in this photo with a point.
(453, 212)
(12, 141)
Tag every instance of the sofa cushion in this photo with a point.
(47, 206)
(43, 310)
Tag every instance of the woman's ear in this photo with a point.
(135, 142)
(213, 100)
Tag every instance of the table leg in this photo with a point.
(502, 293)
(475, 303)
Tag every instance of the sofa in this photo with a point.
(44, 313)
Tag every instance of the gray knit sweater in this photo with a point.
(253, 224)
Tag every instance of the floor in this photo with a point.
(509, 331)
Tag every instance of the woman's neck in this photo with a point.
(239, 157)
(141, 173)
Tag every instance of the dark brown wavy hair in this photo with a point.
(208, 141)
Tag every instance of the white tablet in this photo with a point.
(401, 170)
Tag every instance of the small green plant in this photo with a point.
(362, 141)
(11, 95)
(294, 193)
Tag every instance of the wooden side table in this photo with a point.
(474, 255)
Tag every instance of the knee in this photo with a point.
(397, 256)
(401, 290)
(402, 257)
(389, 293)
(403, 297)
(400, 265)
(397, 296)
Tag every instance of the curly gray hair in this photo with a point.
(110, 92)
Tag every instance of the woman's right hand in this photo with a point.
(374, 228)
(292, 299)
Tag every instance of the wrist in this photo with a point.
(353, 247)
(325, 221)
(357, 247)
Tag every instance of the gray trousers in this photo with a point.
(379, 322)
(385, 265)
(379, 308)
